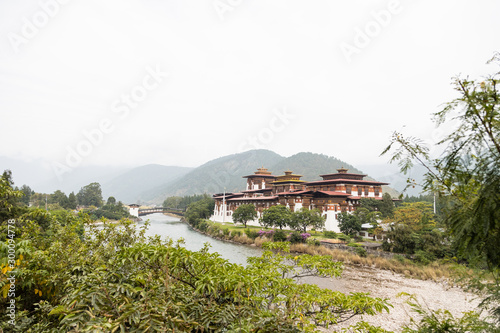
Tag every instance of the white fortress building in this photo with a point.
(337, 192)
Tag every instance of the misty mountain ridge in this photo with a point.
(152, 183)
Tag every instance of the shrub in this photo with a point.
(330, 234)
(360, 251)
(343, 237)
(236, 233)
(268, 234)
(295, 237)
(423, 257)
(225, 231)
(313, 242)
(203, 226)
(251, 233)
(386, 246)
(279, 236)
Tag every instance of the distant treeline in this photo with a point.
(183, 202)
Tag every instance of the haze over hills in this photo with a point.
(151, 184)
(227, 172)
(131, 186)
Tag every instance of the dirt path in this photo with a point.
(385, 284)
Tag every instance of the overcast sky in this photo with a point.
(121, 82)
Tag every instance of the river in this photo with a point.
(172, 227)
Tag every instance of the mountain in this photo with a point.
(215, 175)
(227, 172)
(310, 165)
(133, 185)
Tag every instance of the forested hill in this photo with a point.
(310, 165)
(227, 172)
(215, 175)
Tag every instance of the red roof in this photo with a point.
(263, 198)
(263, 176)
(334, 193)
(357, 198)
(341, 174)
(293, 192)
(345, 181)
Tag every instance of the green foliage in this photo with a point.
(9, 197)
(442, 321)
(27, 193)
(279, 236)
(468, 172)
(361, 251)
(235, 233)
(90, 195)
(278, 216)
(251, 233)
(112, 211)
(112, 278)
(306, 218)
(244, 213)
(199, 210)
(296, 238)
(385, 206)
(330, 234)
(182, 202)
(349, 224)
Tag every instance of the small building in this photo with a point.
(134, 210)
(336, 193)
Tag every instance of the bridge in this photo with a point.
(174, 211)
(135, 211)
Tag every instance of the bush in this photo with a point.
(268, 234)
(251, 233)
(360, 251)
(330, 234)
(279, 236)
(236, 233)
(313, 242)
(423, 257)
(343, 237)
(296, 238)
(386, 246)
(203, 226)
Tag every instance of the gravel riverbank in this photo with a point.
(385, 284)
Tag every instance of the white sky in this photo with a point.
(229, 73)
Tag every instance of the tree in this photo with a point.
(278, 216)
(9, 197)
(468, 172)
(305, 218)
(349, 224)
(418, 216)
(27, 193)
(60, 198)
(387, 205)
(111, 201)
(199, 210)
(90, 195)
(72, 202)
(244, 213)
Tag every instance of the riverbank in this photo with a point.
(361, 275)
(385, 284)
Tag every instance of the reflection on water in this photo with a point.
(172, 227)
